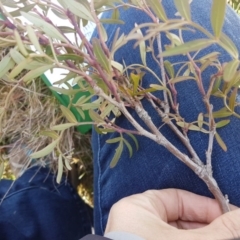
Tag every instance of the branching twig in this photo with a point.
(184, 139)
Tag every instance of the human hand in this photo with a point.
(173, 214)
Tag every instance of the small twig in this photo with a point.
(163, 73)
(212, 126)
(199, 75)
(97, 22)
(80, 34)
(119, 129)
(212, 131)
(197, 69)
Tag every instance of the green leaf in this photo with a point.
(26, 8)
(181, 79)
(64, 90)
(67, 164)
(16, 56)
(222, 113)
(217, 16)
(103, 130)
(81, 112)
(117, 65)
(17, 69)
(142, 47)
(27, 64)
(100, 55)
(77, 9)
(169, 68)
(134, 139)
(230, 70)
(183, 7)
(47, 28)
(33, 38)
(65, 29)
(147, 90)
(51, 134)
(68, 114)
(129, 147)
(20, 44)
(107, 110)
(83, 99)
(194, 127)
(221, 142)
(36, 72)
(95, 117)
(188, 126)
(158, 9)
(136, 80)
(191, 46)
(158, 87)
(5, 65)
(229, 46)
(114, 140)
(45, 151)
(117, 155)
(73, 57)
(222, 123)
(175, 39)
(115, 14)
(210, 56)
(60, 169)
(200, 120)
(216, 85)
(88, 106)
(59, 14)
(111, 21)
(103, 32)
(64, 126)
(232, 98)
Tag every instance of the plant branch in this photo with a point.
(184, 139)
(212, 131)
(163, 74)
(199, 170)
(98, 25)
(81, 35)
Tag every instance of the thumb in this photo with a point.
(226, 226)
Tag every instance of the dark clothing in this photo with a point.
(37, 208)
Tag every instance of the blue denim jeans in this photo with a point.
(38, 208)
(152, 166)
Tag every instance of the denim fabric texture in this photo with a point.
(152, 166)
(38, 208)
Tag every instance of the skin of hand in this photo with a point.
(173, 214)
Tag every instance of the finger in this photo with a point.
(174, 204)
(187, 225)
(226, 227)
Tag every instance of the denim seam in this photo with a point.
(18, 191)
(99, 183)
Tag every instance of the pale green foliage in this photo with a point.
(235, 4)
(92, 65)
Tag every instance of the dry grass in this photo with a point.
(27, 110)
